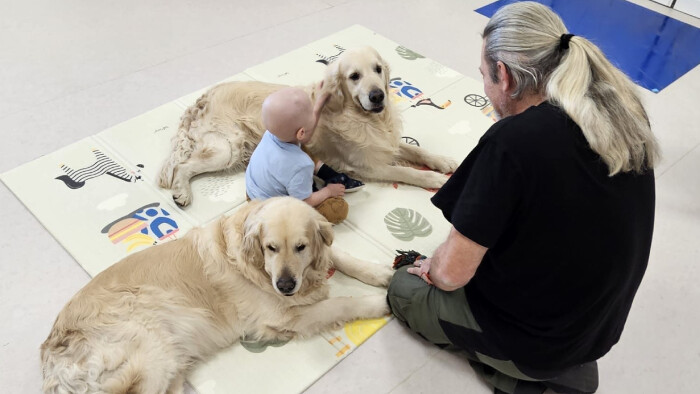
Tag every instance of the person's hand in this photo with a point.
(335, 190)
(421, 269)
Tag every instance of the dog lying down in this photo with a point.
(359, 131)
(139, 326)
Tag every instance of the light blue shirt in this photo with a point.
(278, 168)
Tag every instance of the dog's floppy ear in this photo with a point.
(387, 75)
(325, 231)
(323, 240)
(334, 85)
(246, 223)
(250, 245)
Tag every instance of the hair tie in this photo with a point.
(564, 41)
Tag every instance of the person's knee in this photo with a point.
(398, 284)
(401, 289)
(415, 303)
(394, 294)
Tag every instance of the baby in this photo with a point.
(279, 167)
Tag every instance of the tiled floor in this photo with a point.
(69, 69)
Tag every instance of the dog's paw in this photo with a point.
(375, 306)
(378, 276)
(433, 180)
(384, 275)
(182, 198)
(445, 165)
(336, 326)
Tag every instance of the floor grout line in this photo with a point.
(677, 161)
(432, 356)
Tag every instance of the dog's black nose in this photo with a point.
(286, 284)
(376, 96)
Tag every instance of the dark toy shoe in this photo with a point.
(329, 175)
(351, 185)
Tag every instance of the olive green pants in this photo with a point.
(422, 306)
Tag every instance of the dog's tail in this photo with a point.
(72, 363)
(63, 375)
(182, 142)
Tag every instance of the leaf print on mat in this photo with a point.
(408, 54)
(405, 224)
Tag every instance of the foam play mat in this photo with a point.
(99, 199)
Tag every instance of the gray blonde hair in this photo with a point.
(525, 36)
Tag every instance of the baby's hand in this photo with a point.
(335, 190)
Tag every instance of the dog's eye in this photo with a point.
(271, 248)
(300, 248)
(378, 69)
(355, 76)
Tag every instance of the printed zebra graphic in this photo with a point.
(75, 179)
(330, 59)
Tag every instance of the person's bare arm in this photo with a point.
(332, 190)
(453, 264)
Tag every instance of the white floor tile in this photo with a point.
(674, 118)
(381, 363)
(89, 43)
(445, 372)
(38, 278)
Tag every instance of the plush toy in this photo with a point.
(407, 257)
(334, 209)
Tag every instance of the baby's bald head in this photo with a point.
(286, 111)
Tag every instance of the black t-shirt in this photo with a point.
(568, 244)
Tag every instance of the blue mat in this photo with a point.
(652, 49)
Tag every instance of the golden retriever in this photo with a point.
(359, 131)
(140, 325)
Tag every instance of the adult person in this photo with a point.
(552, 214)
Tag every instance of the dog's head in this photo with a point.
(358, 77)
(287, 239)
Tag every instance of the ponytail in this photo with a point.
(575, 75)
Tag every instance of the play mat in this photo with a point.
(99, 199)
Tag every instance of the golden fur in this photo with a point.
(359, 131)
(139, 326)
